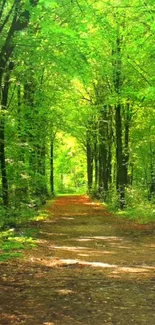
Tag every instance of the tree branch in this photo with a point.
(2, 8)
(2, 25)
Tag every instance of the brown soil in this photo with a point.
(89, 268)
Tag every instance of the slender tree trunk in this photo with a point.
(52, 167)
(109, 166)
(152, 174)
(100, 176)
(117, 68)
(132, 174)
(110, 141)
(103, 153)
(89, 163)
(96, 162)
(4, 101)
(3, 163)
(152, 183)
(120, 177)
(126, 144)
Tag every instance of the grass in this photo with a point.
(12, 244)
(143, 213)
(8, 256)
(14, 241)
(137, 209)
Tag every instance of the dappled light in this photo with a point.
(47, 323)
(65, 291)
(86, 266)
(80, 249)
(109, 238)
(70, 248)
(138, 269)
(15, 318)
(113, 269)
(77, 162)
(46, 233)
(67, 218)
(94, 264)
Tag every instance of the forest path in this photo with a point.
(89, 268)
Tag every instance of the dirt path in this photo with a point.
(90, 268)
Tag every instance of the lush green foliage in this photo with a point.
(12, 244)
(76, 91)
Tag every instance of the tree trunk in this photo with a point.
(3, 163)
(120, 176)
(126, 144)
(96, 163)
(110, 141)
(18, 20)
(100, 176)
(117, 75)
(89, 164)
(52, 167)
(103, 153)
(152, 174)
(4, 100)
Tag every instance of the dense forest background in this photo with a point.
(77, 94)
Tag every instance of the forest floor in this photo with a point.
(89, 268)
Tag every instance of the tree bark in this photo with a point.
(3, 164)
(89, 163)
(103, 153)
(18, 21)
(120, 176)
(117, 75)
(110, 142)
(52, 167)
(152, 174)
(126, 144)
(4, 101)
(96, 163)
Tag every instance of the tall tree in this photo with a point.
(14, 17)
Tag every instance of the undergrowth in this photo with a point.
(15, 232)
(12, 243)
(137, 208)
(144, 213)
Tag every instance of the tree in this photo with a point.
(14, 17)
(83, 69)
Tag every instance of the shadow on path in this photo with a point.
(89, 268)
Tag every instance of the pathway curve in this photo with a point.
(90, 268)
